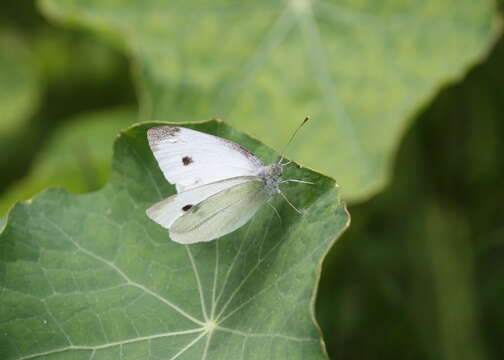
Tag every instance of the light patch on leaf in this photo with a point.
(361, 68)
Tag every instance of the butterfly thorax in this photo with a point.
(272, 176)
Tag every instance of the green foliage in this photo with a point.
(18, 82)
(77, 157)
(91, 276)
(47, 76)
(361, 69)
(419, 273)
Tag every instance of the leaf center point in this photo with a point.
(210, 326)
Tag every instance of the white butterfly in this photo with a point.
(220, 184)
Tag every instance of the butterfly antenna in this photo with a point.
(288, 202)
(276, 212)
(292, 138)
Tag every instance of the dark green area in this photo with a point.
(76, 73)
(419, 274)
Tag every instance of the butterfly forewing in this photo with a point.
(221, 213)
(189, 158)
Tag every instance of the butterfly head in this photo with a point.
(272, 177)
(276, 170)
(272, 174)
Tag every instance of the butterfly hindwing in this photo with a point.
(189, 158)
(168, 210)
(221, 213)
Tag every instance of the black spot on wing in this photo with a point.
(186, 160)
(187, 207)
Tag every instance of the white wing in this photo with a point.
(221, 213)
(168, 210)
(189, 158)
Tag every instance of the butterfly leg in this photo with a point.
(297, 181)
(276, 212)
(288, 202)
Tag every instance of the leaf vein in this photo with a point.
(198, 282)
(123, 275)
(112, 344)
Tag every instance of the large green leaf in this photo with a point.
(77, 157)
(361, 68)
(91, 277)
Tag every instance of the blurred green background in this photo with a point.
(419, 274)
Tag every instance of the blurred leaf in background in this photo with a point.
(361, 69)
(77, 157)
(48, 75)
(419, 275)
(18, 82)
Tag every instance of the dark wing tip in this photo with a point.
(158, 133)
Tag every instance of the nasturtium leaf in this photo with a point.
(19, 89)
(360, 68)
(77, 157)
(91, 277)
